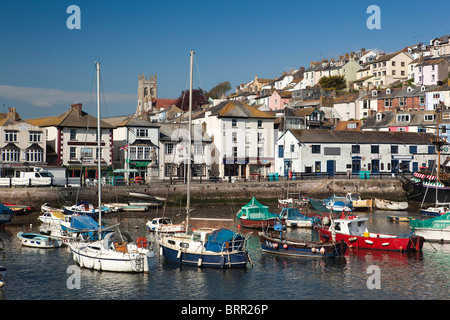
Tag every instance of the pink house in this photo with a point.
(428, 72)
(279, 99)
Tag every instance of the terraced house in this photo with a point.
(72, 142)
(22, 144)
(330, 152)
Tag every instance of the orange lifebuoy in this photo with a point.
(141, 242)
(138, 179)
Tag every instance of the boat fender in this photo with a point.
(322, 250)
(142, 242)
(179, 254)
(285, 246)
(199, 263)
(313, 250)
(2, 283)
(368, 241)
(160, 251)
(275, 245)
(352, 239)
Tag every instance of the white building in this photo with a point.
(22, 144)
(135, 144)
(243, 139)
(73, 137)
(327, 152)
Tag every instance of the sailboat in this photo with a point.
(204, 247)
(113, 252)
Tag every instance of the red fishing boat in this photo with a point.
(354, 232)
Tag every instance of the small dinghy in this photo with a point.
(36, 240)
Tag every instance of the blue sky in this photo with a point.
(44, 66)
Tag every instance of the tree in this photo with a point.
(219, 90)
(333, 83)
(199, 98)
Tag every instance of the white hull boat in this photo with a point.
(35, 240)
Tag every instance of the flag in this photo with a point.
(180, 148)
(124, 147)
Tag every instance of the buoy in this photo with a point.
(285, 246)
(313, 250)
(275, 245)
(322, 250)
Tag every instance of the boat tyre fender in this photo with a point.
(141, 242)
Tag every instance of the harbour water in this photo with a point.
(43, 274)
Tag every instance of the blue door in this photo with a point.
(395, 166)
(415, 166)
(331, 167)
(356, 165)
(375, 165)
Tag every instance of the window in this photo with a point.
(73, 152)
(280, 152)
(412, 149)
(394, 149)
(10, 136)
(35, 136)
(402, 63)
(374, 149)
(10, 155)
(233, 123)
(234, 137)
(387, 102)
(431, 149)
(393, 63)
(168, 148)
(351, 125)
(292, 147)
(315, 149)
(168, 171)
(355, 148)
(393, 72)
(141, 132)
(259, 123)
(260, 152)
(199, 149)
(422, 100)
(436, 95)
(260, 137)
(86, 153)
(73, 134)
(235, 152)
(35, 155)
(403, 118)
(428, 117)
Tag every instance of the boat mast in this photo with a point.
(99, 164)
(188, 193)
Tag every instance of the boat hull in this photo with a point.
(38, 241)
(274, 245)
(432, 213)
(381, 242)
(266, 223)
(113, 261)
(205, 259)
(420, 192)
(433, 234)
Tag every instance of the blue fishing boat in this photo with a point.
(280, 245)
(338, 204)
(294, 218)
(206, 247)
(6, 214)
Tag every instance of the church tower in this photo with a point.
(147, 92)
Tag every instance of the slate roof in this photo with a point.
(362, 137)
(70, 118)
(234, 109)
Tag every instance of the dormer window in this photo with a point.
(428, 117)
(380, 116)
(409, 89)
(422, 88)
(403, 118)
(388, 91)
(374, 93)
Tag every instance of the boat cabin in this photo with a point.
(353, 226)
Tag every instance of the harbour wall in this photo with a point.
(204, 192)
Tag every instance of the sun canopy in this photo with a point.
(256, 211)
(217, 241)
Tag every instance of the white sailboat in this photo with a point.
(113, 252)
(205, 247)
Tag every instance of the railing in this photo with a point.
(115, 181)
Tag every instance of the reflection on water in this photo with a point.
(39, 274)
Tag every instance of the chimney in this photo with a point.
(13, 114)
(78, 108)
